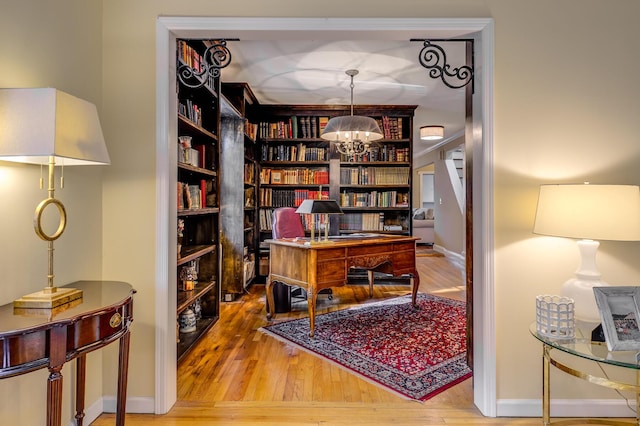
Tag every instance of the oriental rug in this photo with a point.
(415, 353)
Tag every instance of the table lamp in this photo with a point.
(588, 213)
(45, 126)
(316, 207)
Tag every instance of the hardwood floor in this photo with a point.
(237, 375)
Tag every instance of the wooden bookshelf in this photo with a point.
(382, 176)
(239, 182)
(198, 197)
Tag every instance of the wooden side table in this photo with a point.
(31, 341)
(582, 347)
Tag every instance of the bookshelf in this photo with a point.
(240, 208)
(374, 189)
(198, 201)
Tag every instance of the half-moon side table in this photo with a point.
(582, 347)
(31, 340)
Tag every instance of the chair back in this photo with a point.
(286, 223)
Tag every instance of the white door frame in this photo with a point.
(170, 28)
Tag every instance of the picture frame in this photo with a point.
(619, 309)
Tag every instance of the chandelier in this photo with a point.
(352, 134)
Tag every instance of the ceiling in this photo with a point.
(300, 71)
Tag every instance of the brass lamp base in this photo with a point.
(48, 298)
(317, 242)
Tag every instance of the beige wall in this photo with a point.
(565, 67)
(49, 44)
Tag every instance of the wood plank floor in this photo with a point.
(237, 375)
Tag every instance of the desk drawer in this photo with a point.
(330, 254)
(404, 246)
(403, 260)
(332, 270)
(371, 250)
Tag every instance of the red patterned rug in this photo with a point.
(416, 353)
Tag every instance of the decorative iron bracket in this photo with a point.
(434, 58)
(214, 58)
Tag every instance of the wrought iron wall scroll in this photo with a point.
(214, 58)
(434, 58)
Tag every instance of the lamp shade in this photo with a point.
(595, 212)
(431, 133)
(319, 207)
(36, 124)
(350, 127)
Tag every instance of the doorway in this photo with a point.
(479, 135)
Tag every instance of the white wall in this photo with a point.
(449, 226)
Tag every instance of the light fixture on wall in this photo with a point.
(45, 126)
(352, 134)
(319, 207)
(589, 213)
(431, 133)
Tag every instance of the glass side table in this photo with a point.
(581, 346)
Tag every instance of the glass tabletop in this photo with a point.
(582, 346)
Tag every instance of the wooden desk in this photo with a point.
(318, 266)
(29, 343)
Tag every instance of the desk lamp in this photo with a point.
(316, 207)
(45, 126)
(588, 213)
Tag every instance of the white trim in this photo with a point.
(170, 27)
(107, 404)
(602, 408)
(484, 346)
(165, 294)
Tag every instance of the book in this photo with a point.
(203, 193)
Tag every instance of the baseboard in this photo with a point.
(107, 404)
(457, 259)
(139, 405)
(598, 408)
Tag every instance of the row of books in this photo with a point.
(362, 222)
(391, 127)
(300, 152)
(288, 197)
(191, 196)
(388, 153)
(294, 127)
(190, 111)
(249, 172)
(374, 176)
(294, 176)
(191, 58)
(251, 130)
(311, 127)
(266, 217)
(374, 199)
(249, 197)
(371, 222)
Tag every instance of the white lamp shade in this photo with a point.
(431, 133)
(38, 123)
(595, 212)
(350, 127)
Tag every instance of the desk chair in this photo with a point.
(286, 223)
